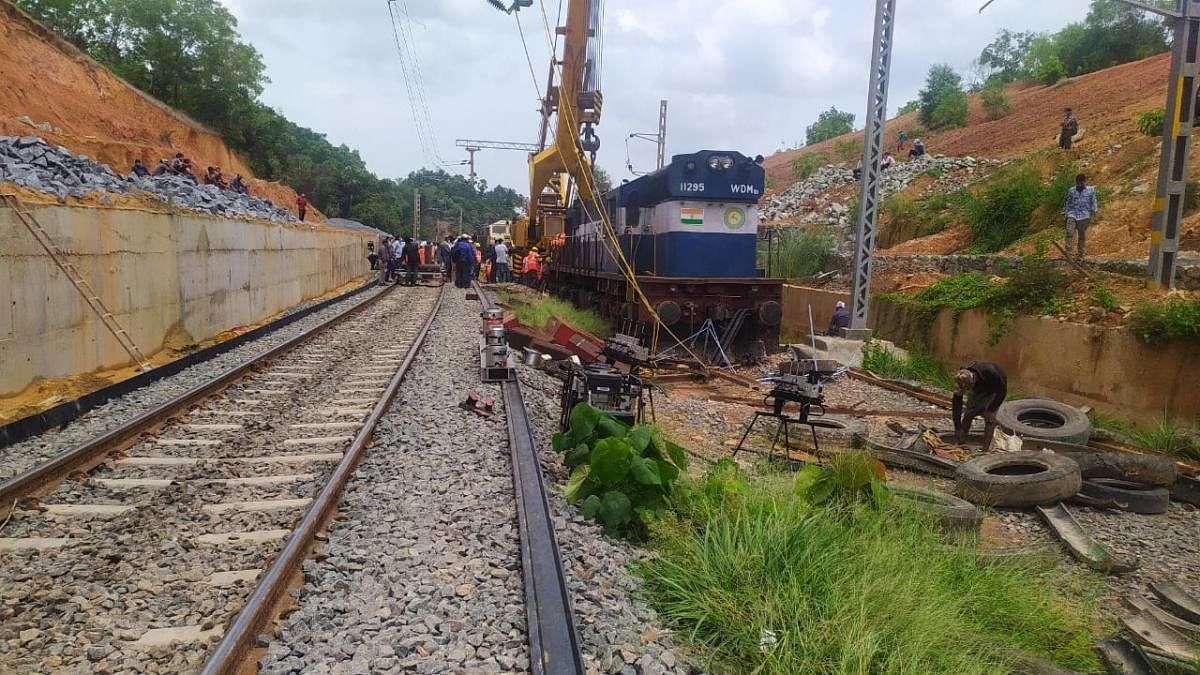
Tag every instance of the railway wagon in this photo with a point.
(689, 231)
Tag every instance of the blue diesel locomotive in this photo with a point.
(689, 231)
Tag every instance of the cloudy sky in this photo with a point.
(746, 75)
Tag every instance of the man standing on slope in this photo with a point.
(1081, 208)
(1070, 127)
(301, 206)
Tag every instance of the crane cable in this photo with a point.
(611, 242)
(537, 91)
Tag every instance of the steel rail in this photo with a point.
(553, 640)
(93, 451)
(238, 643)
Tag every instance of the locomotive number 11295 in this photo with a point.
(691, 187)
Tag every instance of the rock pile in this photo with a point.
(805, 201)
(30, 162)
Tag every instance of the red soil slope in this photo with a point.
(93, 112)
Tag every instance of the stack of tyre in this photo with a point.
(1070, 471)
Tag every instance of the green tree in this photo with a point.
(830, 124)
(188, 54)
(601, 179)
(943, 101)
(1004, 57)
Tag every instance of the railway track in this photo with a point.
(138, 562)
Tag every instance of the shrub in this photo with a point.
(1031, 284)
(950, 112)
(851, 477)
(801, 253)
(804, 165)
(1157, 322)
(620, 475)
(1051, 71)
(1000, 215)
(1151, 122)
(1104, 298)
(995, 101)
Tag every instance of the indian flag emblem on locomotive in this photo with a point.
(691, 216)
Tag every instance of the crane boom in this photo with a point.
(575, 102)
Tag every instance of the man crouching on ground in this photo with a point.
(985, 386)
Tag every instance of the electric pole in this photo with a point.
(1176, 141)
(416, 213)
(473, 146)
(659, 139)
(471, 150)
(868, 200)
(662, 133)
(1176, 138)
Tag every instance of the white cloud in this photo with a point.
(740, 74)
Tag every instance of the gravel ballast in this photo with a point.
(94, 604)
(423, 575)
(21, 456)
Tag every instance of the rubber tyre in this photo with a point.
(1122, 495)
(1018, 479)
(953, 514)
(1043, 418)
(1153, 470)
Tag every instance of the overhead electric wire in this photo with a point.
(412, 100)
(420, 80)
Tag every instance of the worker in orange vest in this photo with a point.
(531, 269)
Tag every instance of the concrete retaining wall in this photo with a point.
(796, 300)
(1105, 368)
(180, 277)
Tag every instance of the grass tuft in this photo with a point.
(918, 366)
(1163, 435)
(535, 310)
(762, 581)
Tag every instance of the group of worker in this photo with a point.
(394, 255)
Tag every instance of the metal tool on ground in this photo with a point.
(805, 390)
(605, 388)
(494, 363)
(81, 284)
(482, 406)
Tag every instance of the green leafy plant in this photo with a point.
(1051, 71)
(850, 478)
(999, 215)
(1151, 122)
(1104, 298)
(537, 310)
(620, 475)
(1158, 322)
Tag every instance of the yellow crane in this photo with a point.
(573, 101)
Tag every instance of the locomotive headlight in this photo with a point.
(721, 162)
